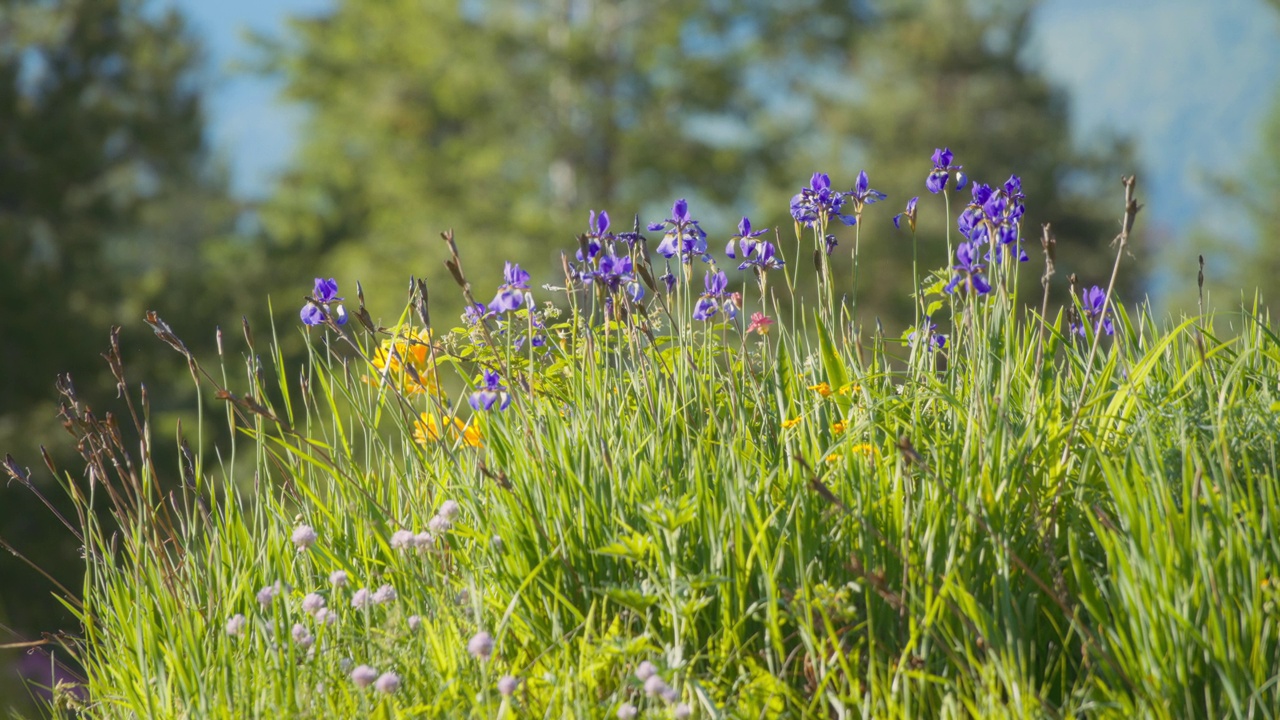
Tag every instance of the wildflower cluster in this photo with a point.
(599, 261)
(992, 218)
(817, 204)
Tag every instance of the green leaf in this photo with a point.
(837, 376)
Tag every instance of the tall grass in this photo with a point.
(810, 521)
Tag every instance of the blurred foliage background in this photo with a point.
(506, 121)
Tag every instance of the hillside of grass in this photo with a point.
(648, 489)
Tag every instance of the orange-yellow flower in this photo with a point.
(822, 389)
(838, 427)
(427, 429)
(406, 359)
(788, 424)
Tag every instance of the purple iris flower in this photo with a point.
(942, 169)
(1093, 300)
(981, 194)
(715, 284)
(745, 238)
(473, 314)
(817, 204)
(862, 194)
(931, 334)
(909, 214)
(323, 295)
(491, 393)
(761, 257)
(668, 278)
(312, 314)
(1013, 190)
(633, 236)
(509, 296)
(325, 290)
(684, 237)
(597, 234)
(704, 308)
(538, 334)
(614, 272)
(968, 269)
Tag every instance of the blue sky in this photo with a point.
(1190, 80)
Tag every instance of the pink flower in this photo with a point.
(759, 323)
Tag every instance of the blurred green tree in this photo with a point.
(109, 205)
(936, 72)
(508, 120)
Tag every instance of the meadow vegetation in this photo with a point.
(670, 484)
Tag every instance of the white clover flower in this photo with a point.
(402, 539)
(338, 578)
(364, 676)
(645, 670)
(507, 685)
(384, 594)
(362, 599)
(236, 625)
(304, 536)
(387, 683)
(415, 622)
(627, 711)
(313, 603)
(481, 645)
(449, 510)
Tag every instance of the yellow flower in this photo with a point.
(849, 388)
(788, 424)
(834, 458)
(864, 449)
(822, 389)
(406, 359)
(428, 429)
(838, 427)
